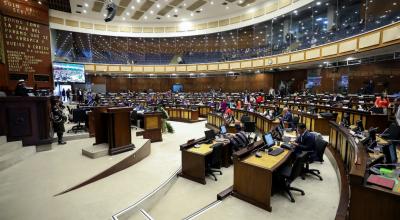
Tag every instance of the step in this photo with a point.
(16, 156)
(3, 140)
(9, 147)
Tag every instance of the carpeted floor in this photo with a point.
(27, 188)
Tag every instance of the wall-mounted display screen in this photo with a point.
(177, 87)
(69, 72)
(313, 81)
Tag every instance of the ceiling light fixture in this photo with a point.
(86, 5)
(158, 5)
(132, 7)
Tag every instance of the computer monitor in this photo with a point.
(281, 125)
(390, 154)
(393, 132)
(222, 129)
(210, 134)
(268, 140)
(372, 134)
(280, 130)
(249, 126)
(360, 126)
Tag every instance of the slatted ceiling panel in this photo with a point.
(146, 5)
(197, 4)
(246, 2)
(175, 2)
(124, 3)
(120, 10)
(137, 15)
(97, 6)
(165, 10)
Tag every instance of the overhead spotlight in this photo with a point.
(111, 10)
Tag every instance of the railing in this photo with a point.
(379, 38)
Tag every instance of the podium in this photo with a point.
(152, 126)
(27, 119)
(112, 126)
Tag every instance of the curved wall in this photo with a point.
(380, 38)
(313, 25)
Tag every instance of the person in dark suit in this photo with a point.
(20, 89)
(287, 117)
(305, 141)
(58, 121)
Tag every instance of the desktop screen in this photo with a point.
(223, 129)
(269, 140)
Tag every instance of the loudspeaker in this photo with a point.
(111, 10)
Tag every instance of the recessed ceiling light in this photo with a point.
(151, 12)
(191, 14)
(240, 2)
(158, 5)
(84, 11)
(127, 13)
(138, 1)
(227, 7)
(212, 2)
(40, 2)
(132, 7)
(318, 3)
(123, 18)
(184, 4)
(104, 15)
(145, 17)
(86, 5)
(176, 10)
(168, 16)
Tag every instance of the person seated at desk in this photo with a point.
(305, 141)
(228, 116)
(287, 117)
(382, 102)
(223, 105)
(238, 140)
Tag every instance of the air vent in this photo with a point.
(78, 12)
(175, 16)
(224, 3)
(79, 6)
(158, 18)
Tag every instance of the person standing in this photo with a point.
(68, 93)
(63, 94)
(58, 121)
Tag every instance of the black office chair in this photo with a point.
(78, 116)
(290, 172)
(317, 156)
(295, 121)
(249, 127)
(213, 161)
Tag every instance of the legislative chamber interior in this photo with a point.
(200, 109)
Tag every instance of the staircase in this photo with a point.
(12, 153)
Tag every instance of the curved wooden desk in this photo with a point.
(252, 176)
(357, 199)
(183, 114)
